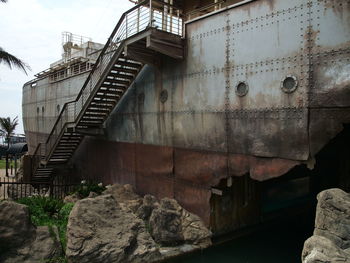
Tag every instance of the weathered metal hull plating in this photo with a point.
(264, 86)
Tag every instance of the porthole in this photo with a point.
(242, 88)
(163, 96)
(289, 84)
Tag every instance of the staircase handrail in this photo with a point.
(64, 114)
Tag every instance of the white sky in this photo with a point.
(31, 30)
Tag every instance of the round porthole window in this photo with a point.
(242, 88)
(289, 84)
(163, 96)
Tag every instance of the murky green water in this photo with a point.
(273, 243)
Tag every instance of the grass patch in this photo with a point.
(45, 211)
(3, 164)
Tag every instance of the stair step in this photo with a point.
(128, 64)
(121, 76)
(125, 70)
(116, 81)
(110, 92)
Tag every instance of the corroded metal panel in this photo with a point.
(269, 133)
(329, 80)
(200, 130)
(154, 160)
(330, 36)
(200, 168)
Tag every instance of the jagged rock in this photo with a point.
(319, 249)
(73, 198)
(99, 230)
(165, 223)
(15, 225)
(333, 217)
(172, 225)
(149, 203)
(125, 196)
(20, 241)
(331, 239)
(194, 230)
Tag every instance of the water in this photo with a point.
(273, 243)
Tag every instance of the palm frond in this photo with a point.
(3, 1)
(11, 60)
(8, 126)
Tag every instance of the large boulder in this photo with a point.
(20, 241)
(331, 240)
(15, 225)
(99, 230)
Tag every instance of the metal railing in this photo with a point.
(147, 14)
(13, 189)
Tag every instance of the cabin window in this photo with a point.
(37, 110)
(58, 108)
(42, 109)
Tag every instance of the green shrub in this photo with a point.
(42, 209)
(45, 211)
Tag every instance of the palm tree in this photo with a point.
(8, 127)
(11, 60)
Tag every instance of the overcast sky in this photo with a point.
(32, 31)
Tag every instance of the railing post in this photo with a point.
(138, 20)
(126, 26)
(150, 14)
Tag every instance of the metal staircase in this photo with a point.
(143, 33)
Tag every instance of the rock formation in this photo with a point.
(331, 240)
(99, 230)
(20, 241)
(120, 226)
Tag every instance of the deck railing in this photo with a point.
(147, 14)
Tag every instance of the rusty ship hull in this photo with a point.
(263, 87)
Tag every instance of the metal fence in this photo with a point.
(13, 189)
